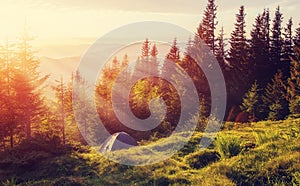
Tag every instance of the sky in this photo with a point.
(66, 28)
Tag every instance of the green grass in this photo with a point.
(263, 153)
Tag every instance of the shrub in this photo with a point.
(228, 145)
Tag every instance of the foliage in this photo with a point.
(250, 100)
(228, 145)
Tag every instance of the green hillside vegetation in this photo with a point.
(262, 153)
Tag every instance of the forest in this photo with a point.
(39, 131)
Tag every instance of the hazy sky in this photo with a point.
(79, 22)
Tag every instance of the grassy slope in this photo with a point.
(259, 153)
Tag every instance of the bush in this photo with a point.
(294, 105)
(202, 158)
(228, 145)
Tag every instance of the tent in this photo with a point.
(118, 141)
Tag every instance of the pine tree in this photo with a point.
(146, 51)
(259, 49)
(61, 94)
(173, 56)
(28, 84)
(206, 30)
(8, 104)
(293, 88)
(220, 50)
(238, 42)
(154, 63)
(287, 50)
(296, 38)
(251, 100)
(238, 80)
(275, 98)
(276, 40)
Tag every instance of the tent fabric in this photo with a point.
(118, 141)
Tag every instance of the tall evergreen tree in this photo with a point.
(28, 84)
(9, 123)
(220, 50)
(296, 40)
(238, 42)
(276, 40)
(146, 51)
(238, 81)
(153, 60)
(287, 50)
(206, 30)
(172, 56)
(293, 88)
(60, 93)
(259, 49)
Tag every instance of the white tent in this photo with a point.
(118, 141)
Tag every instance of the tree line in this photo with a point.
(261, 74)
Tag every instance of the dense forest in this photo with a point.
(262, 75)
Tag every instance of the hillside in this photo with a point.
(263, 153)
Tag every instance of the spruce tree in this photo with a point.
(220, 50)
(275, 98)
(28, 84)
(251, 100)
(259, 50)
(276, 40)
(287, 50)
(172, 56)
(293, 88)
(206, 30)
(238, 80)
(238, 42)
(154, 63)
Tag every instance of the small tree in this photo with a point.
(250, 101)
(275, 98)
(293, 88)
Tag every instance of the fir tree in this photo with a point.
(293, 88)
(251, 100)
(220, 50)
(276, 40)
(287, 50)
(238, 42)
(206, 30)
(154, 62)
(259, 49)
(28, 85)
(275, 98)
(173, 56)
(238, 80)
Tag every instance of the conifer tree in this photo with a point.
(276, 40)
(28, 84)
(220, 50)
(238, 42)
(251, 100)
(154, 62)
(275, 98)
(206, 30)
(287, 50)
(238, 80)
(293, 88)
(173, 56)
(259, 50)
